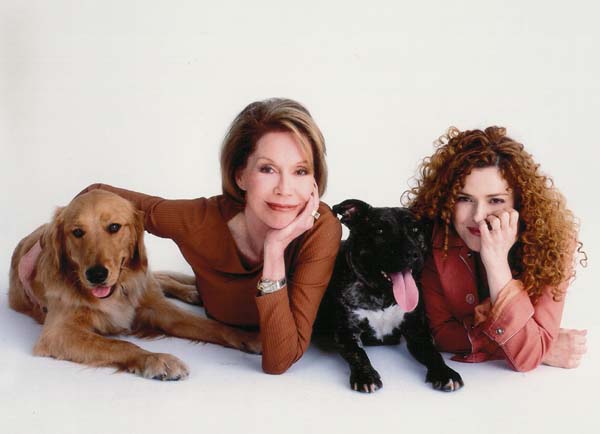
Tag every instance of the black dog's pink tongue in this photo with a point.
(405, 290)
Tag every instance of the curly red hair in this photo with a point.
(544, 252)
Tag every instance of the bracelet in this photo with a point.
(267, 286)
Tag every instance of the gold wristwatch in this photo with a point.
(267, 286)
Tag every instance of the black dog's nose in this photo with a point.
(96, 274)
(414, 256)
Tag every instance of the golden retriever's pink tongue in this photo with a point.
(101, 291)
(405, 290)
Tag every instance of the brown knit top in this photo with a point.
(227, 285)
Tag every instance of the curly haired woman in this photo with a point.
(503, 253)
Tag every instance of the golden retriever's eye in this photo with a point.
(113, 228)
(78, 233)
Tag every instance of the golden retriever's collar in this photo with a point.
(26, 266)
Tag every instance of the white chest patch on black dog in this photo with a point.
(382, 321)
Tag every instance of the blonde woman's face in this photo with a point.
(485, 192)
(278, 179)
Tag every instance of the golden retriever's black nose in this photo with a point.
(96, 274)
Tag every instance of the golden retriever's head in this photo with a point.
(95, 239)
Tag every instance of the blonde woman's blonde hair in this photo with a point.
(259, 118)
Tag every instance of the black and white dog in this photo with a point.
(372, 298)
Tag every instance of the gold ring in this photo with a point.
(315, 214)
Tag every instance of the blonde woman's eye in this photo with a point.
(302, 172)
(266, 169)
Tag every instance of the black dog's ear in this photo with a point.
(352, 211)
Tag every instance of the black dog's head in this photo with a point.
(384, 242)
(389, 238)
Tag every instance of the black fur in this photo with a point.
(384, 240)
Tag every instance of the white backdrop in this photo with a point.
(139, 94)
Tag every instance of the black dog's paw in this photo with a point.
(365, 380)
(445, 379)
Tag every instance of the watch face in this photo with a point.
(266, 286)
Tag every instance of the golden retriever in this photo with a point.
(85, 275)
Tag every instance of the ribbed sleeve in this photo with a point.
(287, 316)
(164, 218)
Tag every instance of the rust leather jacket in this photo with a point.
(514, 328)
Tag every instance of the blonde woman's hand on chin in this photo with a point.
(498, 234)
(278, 239)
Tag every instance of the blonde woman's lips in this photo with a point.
(281, 207)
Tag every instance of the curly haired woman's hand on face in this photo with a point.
(499, 236)
(496, 241)
(567, 349)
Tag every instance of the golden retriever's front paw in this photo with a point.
(251, 343)
(164, 367)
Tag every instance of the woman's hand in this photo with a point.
(498, 237)
(278, 239)
(567, 349)
(496, 241)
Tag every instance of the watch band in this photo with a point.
(267, 286)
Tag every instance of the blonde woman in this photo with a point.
(263, 251)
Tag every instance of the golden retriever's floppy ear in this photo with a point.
(138, 249)
(52, 240)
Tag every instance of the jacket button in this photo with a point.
(499, 331)
(470, 298)
(469, 254)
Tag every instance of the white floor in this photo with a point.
(153, 85)
(227, 392)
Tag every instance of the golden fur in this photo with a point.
(75, 320)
